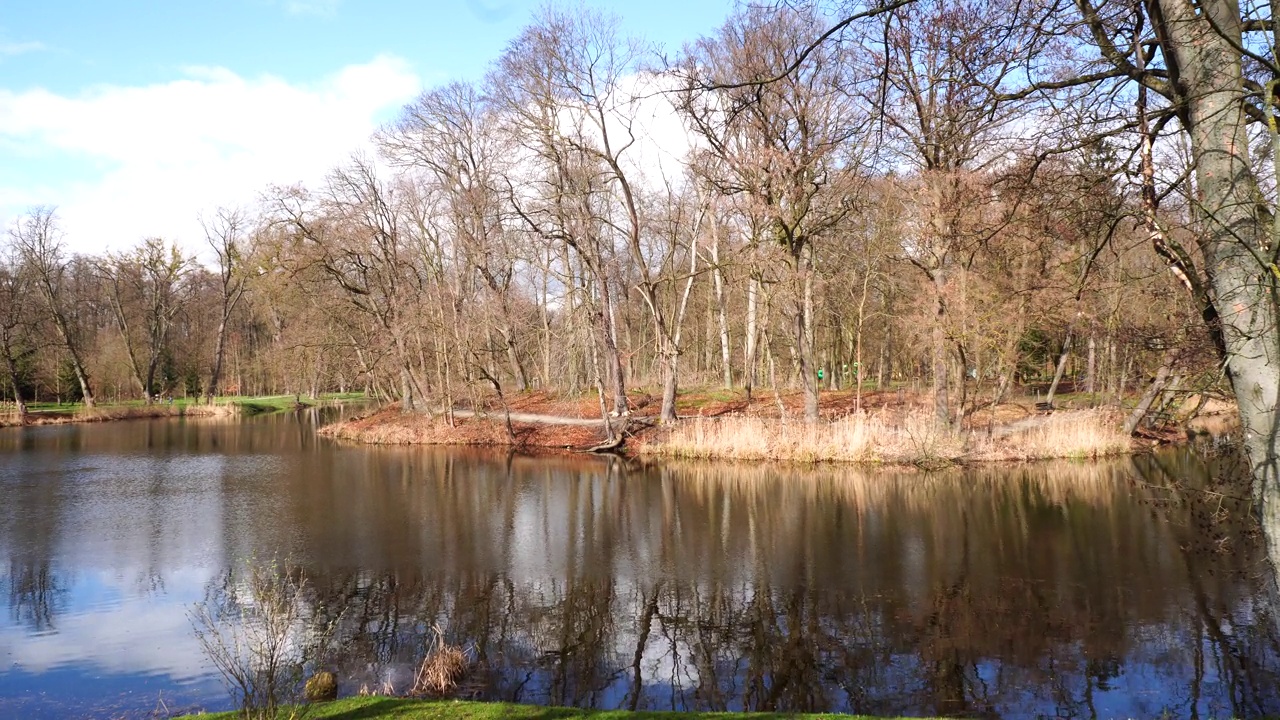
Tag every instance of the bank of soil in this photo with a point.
(536, 418)
(1015, 430)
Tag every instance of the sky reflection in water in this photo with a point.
(1070, 589)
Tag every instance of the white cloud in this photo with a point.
(164, 153)
(323, 8)
(131, 635)
(9, 49)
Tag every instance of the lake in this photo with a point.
(1129, 588)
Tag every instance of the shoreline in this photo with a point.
(908, 439)
(112, 413)
(44, 414)
(714, 425)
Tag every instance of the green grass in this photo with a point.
(75, 407)
(341, 397)
(278, 403)
(380, 708)
(268, 404)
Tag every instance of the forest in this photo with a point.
(968, 199)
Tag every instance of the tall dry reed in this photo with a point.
(441, 669)
(1081, 434)
(912, 438)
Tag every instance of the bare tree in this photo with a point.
(16, 342)
(1214, 66)
(789, 147)
(451, 133)
(588, 62)
(148, 289)
(558, 87)
(939, 63)
(353, 237)
(228, 234)
(39, 242)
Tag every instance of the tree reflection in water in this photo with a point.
(1044, 589)
(34, 593)
(1124, 589)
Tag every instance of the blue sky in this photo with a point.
(134, 117)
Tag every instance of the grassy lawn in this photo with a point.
(276, 403)
(270, 403)
(378, 708)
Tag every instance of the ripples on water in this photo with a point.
(1060, 589)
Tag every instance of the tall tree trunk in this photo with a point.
(1113, 371)
(1091, 369)
(406, 378)
(122, 324)
(545, 312)
(513, 357)
(609, 333)
(805, 338)
(152, 365)
(752, 337)
(1148, 397)
(857, 338)
(962, 386)
(722, 314)
(671, 341)
(77, 364)
(15, 381)
(1237, 241)
(598, 377)
(219, 351)
(1060, 368)
(941, 403)
(406, 390)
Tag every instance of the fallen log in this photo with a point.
(608, 446)
(629, 425)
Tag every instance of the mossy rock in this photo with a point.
(321, 687)
(932, 463)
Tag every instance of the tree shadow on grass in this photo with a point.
(414, 709)
(410, 709)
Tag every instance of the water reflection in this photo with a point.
(1133, 588)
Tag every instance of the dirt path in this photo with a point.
(536, 418)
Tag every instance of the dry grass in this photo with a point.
(104, 414)
(441, 669)
(889, 435)
(856, 438)
(390, 426)
(910, 438)
(117, 412)
(393, 427)
(1079, 434)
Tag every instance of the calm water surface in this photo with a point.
(1068, 590)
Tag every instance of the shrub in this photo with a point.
(256, 631)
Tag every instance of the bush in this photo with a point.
(256, 629)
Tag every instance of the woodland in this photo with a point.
(970, 199)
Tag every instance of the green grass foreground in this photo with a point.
(380, 708)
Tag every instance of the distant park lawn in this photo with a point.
(46, 413)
